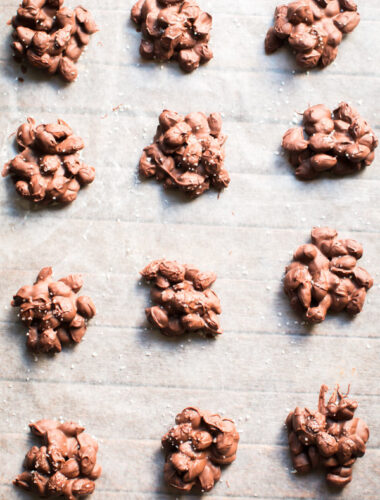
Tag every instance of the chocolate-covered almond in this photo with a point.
(48, 168)
(173, 30)
(51, 37)
(53, 312)
(330, 436)
(313, 29)
(187, 153)
(196, 447)
(184, 301)
(340, 142)
(63, 468)
(324, 276)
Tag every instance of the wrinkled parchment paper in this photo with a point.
(126, 382)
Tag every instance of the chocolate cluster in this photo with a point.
(174, 30)
(48, 168)
(330, 437)
(187, 153)
(341, 142)
(52, 37)
(196, 447)
(65, 466)
(313, 28)
(185, 301)
(53, 312)
(324, 276)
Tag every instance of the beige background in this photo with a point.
(125, 382)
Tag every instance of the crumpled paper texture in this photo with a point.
(126, 383)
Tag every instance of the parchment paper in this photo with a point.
(126, 382)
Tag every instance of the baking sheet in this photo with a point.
(125, 382)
